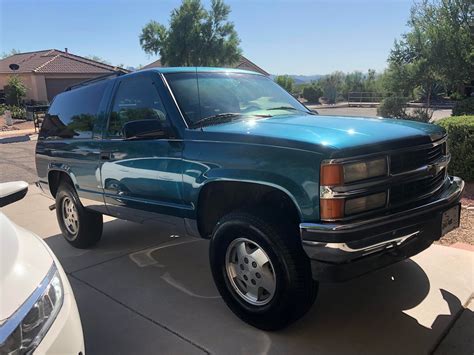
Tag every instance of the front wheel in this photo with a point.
(80, 227)
(261, 271)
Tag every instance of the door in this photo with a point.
(56, 86)
(141, 177)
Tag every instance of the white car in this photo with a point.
(38, 311)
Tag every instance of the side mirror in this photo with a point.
(144, 129)
(12, 191)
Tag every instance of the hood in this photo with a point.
(336, 132)
(24, 262)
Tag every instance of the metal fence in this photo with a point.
(364, 98)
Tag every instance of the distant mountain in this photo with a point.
(302, 79)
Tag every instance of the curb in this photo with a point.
(17, 139)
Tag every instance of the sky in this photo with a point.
(281, 36)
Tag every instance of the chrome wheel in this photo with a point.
(250, 271)
(70, 216)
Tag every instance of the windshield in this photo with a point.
(219, 95)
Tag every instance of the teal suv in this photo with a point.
(287, 198)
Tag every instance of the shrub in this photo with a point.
(421, 114)
(392, 106)
(17, 112)
(312, 93)
(456, 96)
(460, 131)
(15, 90)
(464, 107)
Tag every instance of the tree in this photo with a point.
(354, 81)
(12, 52)
(195, 36)
(15, 90)
(286, 82)
(438, 48)
(312, 92)
(332, 86)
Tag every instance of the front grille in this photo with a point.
(405, 161)
(410, 191)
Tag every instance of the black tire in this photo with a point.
(89, 228)
(295, 290)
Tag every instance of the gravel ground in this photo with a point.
(17, 125)
(465, 233)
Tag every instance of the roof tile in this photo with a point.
(53, 61)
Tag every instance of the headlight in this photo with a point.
(365, 170)
(365, 203)
(334, 203)
(340, 174)
(24, 330)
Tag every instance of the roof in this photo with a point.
(155, 64)
(245, 63)
(242, 63)
(55, 61)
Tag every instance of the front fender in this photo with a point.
(294, 172)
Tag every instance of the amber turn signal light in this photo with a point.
(331, 175)
(332, 208)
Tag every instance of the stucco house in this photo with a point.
(242, 63)
(48, 72)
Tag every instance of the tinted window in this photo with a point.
(206, 94)
(136, 99)
(74, 113)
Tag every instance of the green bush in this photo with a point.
(420, 114)
(312, 93)
(393, 107)
(464, 107)
(15, 90)
(17, 112)
(456, 96)
(460, 131)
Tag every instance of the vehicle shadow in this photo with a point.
(137, 265)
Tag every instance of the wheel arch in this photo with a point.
(55, 176)
(218, 197)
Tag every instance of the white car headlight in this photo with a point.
(24, 330)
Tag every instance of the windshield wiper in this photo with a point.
(289, 108)
(221, 117)
(215, 118)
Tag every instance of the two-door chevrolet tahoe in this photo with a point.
(287, 198)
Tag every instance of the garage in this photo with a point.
(55, 86)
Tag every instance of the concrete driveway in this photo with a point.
(141, 291)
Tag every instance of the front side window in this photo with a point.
(203, 95)
(136, 99)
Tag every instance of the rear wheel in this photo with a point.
(80, 227)
(261, 271)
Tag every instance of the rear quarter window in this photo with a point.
(73, 113)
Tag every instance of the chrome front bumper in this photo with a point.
(402, 232)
